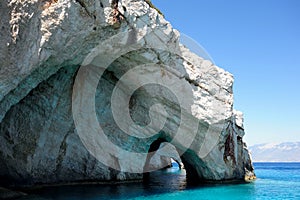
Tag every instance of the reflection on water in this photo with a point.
(276, 181)
(172, 179)
(159, 182)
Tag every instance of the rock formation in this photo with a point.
(163, 159)
(43, 45)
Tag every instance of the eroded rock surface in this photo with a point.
(43, 44)
(163, 158)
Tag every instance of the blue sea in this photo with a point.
(275, 181)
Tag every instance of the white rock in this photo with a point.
(39, 137)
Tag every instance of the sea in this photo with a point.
(275, 181)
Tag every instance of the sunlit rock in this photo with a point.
(44, 43)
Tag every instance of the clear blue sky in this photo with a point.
(258, 41)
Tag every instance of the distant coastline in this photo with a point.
(289, 162)
(285, 152)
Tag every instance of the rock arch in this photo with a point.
(39, 142)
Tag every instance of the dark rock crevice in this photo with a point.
(229, 152)
(82, 4)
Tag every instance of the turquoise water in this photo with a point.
(275, 181)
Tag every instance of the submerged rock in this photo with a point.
(43, 45)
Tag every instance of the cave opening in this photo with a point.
(166, 167)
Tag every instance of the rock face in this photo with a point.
(43, 45)
(163, 159)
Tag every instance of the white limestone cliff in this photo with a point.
(43, 44)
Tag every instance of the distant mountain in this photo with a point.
(276, 152)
